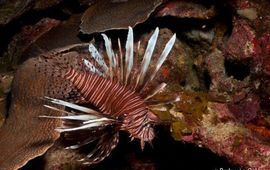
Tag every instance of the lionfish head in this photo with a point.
(147, 133)
(115, 90)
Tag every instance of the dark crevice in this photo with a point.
(165, 154)
(207, 79)
(236, 69)
(62, 11)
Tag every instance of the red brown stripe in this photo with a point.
(109, 96)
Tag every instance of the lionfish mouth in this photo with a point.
(117, 90)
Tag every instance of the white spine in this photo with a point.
(91, 67)
(129, 53)
(158, 89)
(99, 59)
(72, 106)
(73, 117)
(163, 56)
(147, 57)
(96, 123)
(110, 53)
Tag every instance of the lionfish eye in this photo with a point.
(149, 124)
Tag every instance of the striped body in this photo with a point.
(116, 101)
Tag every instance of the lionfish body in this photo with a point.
(114, 95)
(117, 101)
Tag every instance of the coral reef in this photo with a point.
(103, 15)
(219, 68)
(19, 135)
(186, 9)
(12, 9)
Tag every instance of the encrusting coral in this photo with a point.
(218, 70)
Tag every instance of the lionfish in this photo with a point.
(113, 91)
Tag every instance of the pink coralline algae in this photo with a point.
(241, 43)
(231, 139)
(186, 9)
(27, 36)
(245, 109)
(264, 43)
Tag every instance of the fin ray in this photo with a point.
(94, 123)
(129, 54)
(147, 57)
(91, 67)
(110, 54)
(98, 58)
(162, 57)
(72, 106)
(156, 90)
